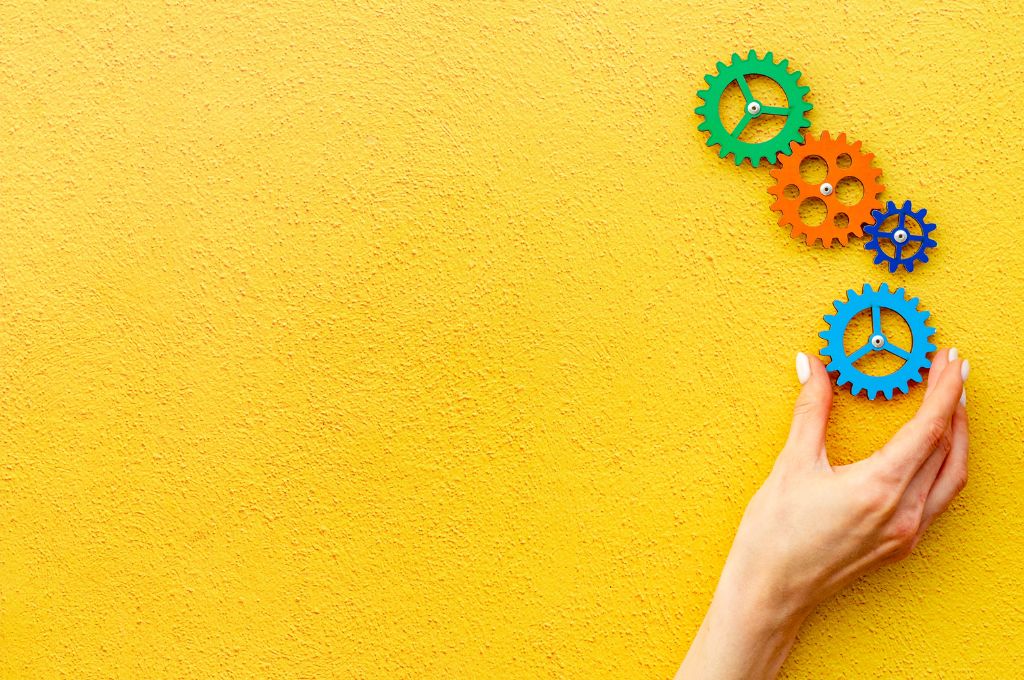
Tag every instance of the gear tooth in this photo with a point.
(769, 57)
(884, 288)
(841, 138)
(924, 257)
(908, 264)
(736, 58)
(913, 301)
(906, 206)
(888, 393)
(905, 389)
(890, 207)
(704, 127)
(823, 335)
(784, 63)
(893, 266)
(825, 351)
(710, 79)
(851, 294)
(932, 244)
(723, 152)
(752, 55)
(900, 292)
(830, 319)
(825, 136)
(867, 289)
(702, 94)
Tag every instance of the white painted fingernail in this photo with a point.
(803, 368)
(953, 354)
(965, 369)
(963, 397)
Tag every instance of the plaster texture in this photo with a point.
(427, 339)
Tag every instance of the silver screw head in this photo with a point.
(900, 236)
(877, 341)
(754, 108)
(826, 189)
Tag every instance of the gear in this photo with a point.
(841, 221)
(737, 71)
(900, 236)
(915, 359)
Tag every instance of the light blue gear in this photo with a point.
(915, 359)
(923, 241)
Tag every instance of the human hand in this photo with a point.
(813, 528)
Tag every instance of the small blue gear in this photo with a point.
(900, 237)
(915, 359)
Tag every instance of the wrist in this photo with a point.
(747, 633)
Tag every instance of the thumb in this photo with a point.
(810, 415)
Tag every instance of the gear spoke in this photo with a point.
(748, 96)
(775, 110)
(876, 320)
(896, 351)
(859, 354)
(740, 126)
(915, 237)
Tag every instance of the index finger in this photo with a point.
(910, 447)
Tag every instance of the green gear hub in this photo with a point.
(794, 111)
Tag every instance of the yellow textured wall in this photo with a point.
(427, 339)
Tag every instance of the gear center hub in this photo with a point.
(900, 236)
(878, 341)
(754, 108)
(826, 189)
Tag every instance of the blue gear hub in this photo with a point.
(915, 359)
(908, 247)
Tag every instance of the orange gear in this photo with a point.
(787, 175)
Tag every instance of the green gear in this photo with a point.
(794, 111)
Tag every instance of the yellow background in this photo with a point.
(428, 340)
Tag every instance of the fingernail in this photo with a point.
(965, 370)
(803, 368)
(953, 354)
(963, 397)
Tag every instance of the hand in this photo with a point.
(813, 528)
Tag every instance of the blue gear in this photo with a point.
(915, 359)
(900, 237)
